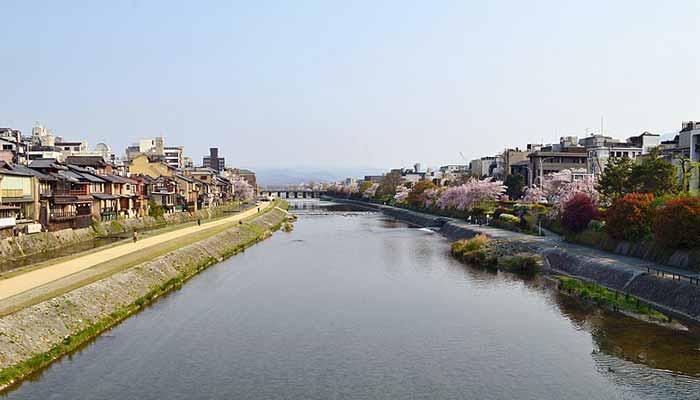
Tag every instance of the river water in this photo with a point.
(352, 305)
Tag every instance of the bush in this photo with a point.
(499, 210)
(578, 212)
(473, 251)
(466, 245)
(596, 226)
(155, 210)
(630, 217)
(510, 218)
(521, 263)
(677, 224)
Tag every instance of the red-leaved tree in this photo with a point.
(630, 217)
(677, 223)
(578, 211)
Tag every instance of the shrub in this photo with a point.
(596, 226)
(522, 263)
(538, 209)
(630, 217)
(510, 218)
(500, 210)
(677, 224)
(579, 210)
(465, 245)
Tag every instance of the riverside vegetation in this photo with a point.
(603, 297)
(82, 319)
(506, 255)
(515, 257)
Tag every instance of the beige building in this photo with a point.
(141, 164)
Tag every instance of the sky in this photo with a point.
(348, 84)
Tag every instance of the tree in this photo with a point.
(365, 185)
(515, 186)
(388, 186)
(630, 216)
(677, 223)
(578, 211)
(614, 182)
(687, 168)
(653, 175)
(466, 196)
(242, 190)
(417, 195)
(155, 210)
(401, 194)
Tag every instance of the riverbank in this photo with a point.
(32, 338)
(15, 249)
(679, 298)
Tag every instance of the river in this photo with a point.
(353, 305)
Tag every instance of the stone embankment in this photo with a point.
(33, 337)
(678, 297)
(22, 246)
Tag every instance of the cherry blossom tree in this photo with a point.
(242, 190)
(401, 194)
(431, 197)
(371, 191)
(534, 195)
(474, 191)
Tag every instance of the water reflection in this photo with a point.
(354, 305)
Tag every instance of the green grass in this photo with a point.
(604, 297)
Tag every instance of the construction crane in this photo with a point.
(463, 158)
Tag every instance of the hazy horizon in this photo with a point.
(329, 85)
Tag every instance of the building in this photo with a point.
(213, 160)
(19, 200)
(555, 158)
(374, 178)
(482, 167)
(150, 166)
(97, 163)
(688, 148)
(174, 156)
(601, 148)
(12, 148)
(154, 147)
(512, 157)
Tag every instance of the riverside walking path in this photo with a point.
(37, 278)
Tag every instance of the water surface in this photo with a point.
(352, 305)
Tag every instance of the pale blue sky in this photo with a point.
(353, 83)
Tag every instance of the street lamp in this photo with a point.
(541, 170)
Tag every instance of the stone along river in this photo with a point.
(352, 305)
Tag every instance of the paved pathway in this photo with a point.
(33, 279)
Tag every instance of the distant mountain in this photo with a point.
(294, 176)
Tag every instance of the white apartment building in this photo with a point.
(601, 148)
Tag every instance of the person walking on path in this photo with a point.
(135, 236)
(199, 222)
(258, 209)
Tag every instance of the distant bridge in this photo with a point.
(290, 193)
